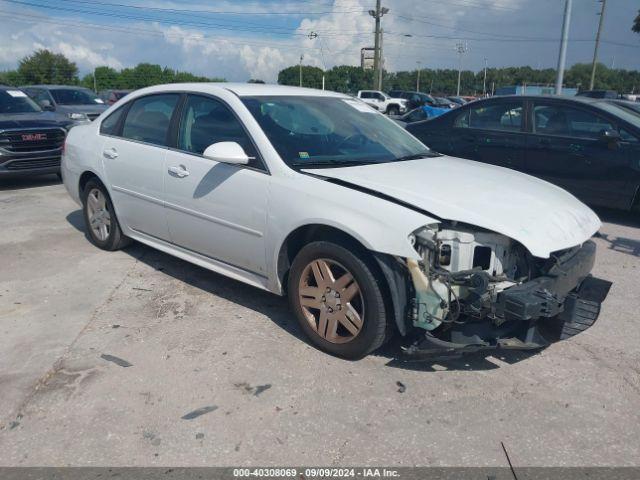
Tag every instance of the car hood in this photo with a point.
(33, 120)
(542, 217)
(87, 109)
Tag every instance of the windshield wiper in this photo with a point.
(416, 156)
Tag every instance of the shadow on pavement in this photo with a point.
(20, 183)
(478, 361)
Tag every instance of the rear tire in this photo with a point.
(103, 228)
(337, 300)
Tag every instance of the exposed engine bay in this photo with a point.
(474, 288)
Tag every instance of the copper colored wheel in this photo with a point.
(331, 301)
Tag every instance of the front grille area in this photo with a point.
(33, 140)
(33, 163)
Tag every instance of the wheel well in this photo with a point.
(300, 237)
(84, 179)
(310, 233)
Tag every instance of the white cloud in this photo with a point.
(242, 54)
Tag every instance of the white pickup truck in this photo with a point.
(383, 102)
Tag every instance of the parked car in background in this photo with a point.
(78, 103)
(631, 106)
(424, 112)
(599, 94)
(442, 102)
(109, 97)
(457, 100)
(31, 139)
(383, 102)
(414, 99)
(314, 195)
(589, 147)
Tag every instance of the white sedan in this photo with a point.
(315, 195)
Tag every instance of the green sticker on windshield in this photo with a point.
(304, 155)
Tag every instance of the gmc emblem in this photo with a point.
(32, 137)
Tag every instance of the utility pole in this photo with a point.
(418, 79)
(595, 52)
(377, 56)
(484, 82)
(562, 58)
(301, 57)
(380, 62)
(461, 48)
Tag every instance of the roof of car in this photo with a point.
(241, 89)
(549, 97)
(54, 87)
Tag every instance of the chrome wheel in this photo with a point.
(331, 301)
(98, 214)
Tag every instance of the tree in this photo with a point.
(311, 76)
(636, 23)
(46, 67)
(10, 77)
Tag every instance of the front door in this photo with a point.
(215, 209)
(133, 158)
(566, 147)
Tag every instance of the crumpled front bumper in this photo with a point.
(566, 295)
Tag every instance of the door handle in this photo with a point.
(179, 171)
(111, 153)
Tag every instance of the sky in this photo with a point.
(238, 40)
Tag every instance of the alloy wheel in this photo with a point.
(98, 214)
(331, 301)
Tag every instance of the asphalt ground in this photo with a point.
(135, 358)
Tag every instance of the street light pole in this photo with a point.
(595, 52)
(562, 58)
(484, 82)
(301, 57)
(461, 48)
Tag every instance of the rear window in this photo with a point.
(149, 117)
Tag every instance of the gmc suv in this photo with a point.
(31, 139)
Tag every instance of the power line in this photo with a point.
(215, 12)
(199, 24)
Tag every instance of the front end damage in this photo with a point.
(475, 290)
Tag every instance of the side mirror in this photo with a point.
(46, 105)
(610, 137)
(227, 152)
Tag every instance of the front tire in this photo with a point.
(337, 300)
(100, 218)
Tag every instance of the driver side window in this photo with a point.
(206, 121)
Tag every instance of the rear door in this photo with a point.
(566, 148)
(491, 132)
(133, 158)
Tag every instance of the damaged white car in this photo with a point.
(315, 195)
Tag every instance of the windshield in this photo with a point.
(629, 115)
(16, 101)
(311, 131)
(74, 96)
